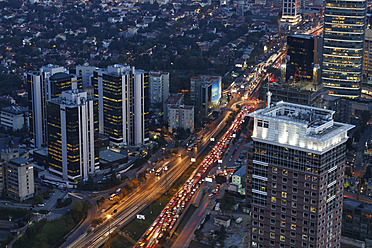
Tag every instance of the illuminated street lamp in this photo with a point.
(109, 217)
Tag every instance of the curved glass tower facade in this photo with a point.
(344, 31)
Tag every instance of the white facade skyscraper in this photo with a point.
(45, 84)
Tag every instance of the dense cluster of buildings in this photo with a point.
(294, 178)
(70, 109)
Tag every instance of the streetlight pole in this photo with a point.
(109, 217)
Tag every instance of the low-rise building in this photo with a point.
(238, 179)
(357, 219)
(19, 178)
(14, 118)
(181, 116)
(222, 221)
(109, 159)
(9, 153)
(173, 99)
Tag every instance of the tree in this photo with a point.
(39, 198)
(96, 222)
(227, 202)
(198, 235)
(220, 179)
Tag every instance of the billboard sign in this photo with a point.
(216, 90)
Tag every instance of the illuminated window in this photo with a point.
(293, 227)
(284, 194)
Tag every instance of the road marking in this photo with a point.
(74, 195)
(188, 231)
(201, 211)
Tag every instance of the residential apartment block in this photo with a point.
(159, 86)
(181, 116)
(297, 177)
(19, 179)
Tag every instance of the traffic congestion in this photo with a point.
(168, 217)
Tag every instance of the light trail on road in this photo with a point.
(168, 217)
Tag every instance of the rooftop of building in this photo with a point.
(241, 172)
(223, 218)
(19, 161)
(352, 203)
(110, 156)
(15, 110)
(302, 86)
(72, 98)
(121, 69)
(175, 106)
(205, 78)
(302, 36)
(158, 73)
(319, 122)
(173, 98)
(61, 75)
(42, 151)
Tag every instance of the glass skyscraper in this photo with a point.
(123, 99)
(344, 31)
(73, 135)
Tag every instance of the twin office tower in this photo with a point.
(68, 120)
(343, 43)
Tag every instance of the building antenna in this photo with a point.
(269, 94)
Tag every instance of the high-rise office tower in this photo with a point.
(45, 84)
(297, 177)
(367, 62)
(73, 135)
(159, 86)
(304, 53)
(291, 13)
(344, 31)
(123, 99)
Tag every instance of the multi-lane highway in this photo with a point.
(169, 216)
(150, 191)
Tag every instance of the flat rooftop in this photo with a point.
(20, 161)
(352, 203)
(111, 156)
(317, 123)
(296, 113)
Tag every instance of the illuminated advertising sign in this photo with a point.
(216, 91)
